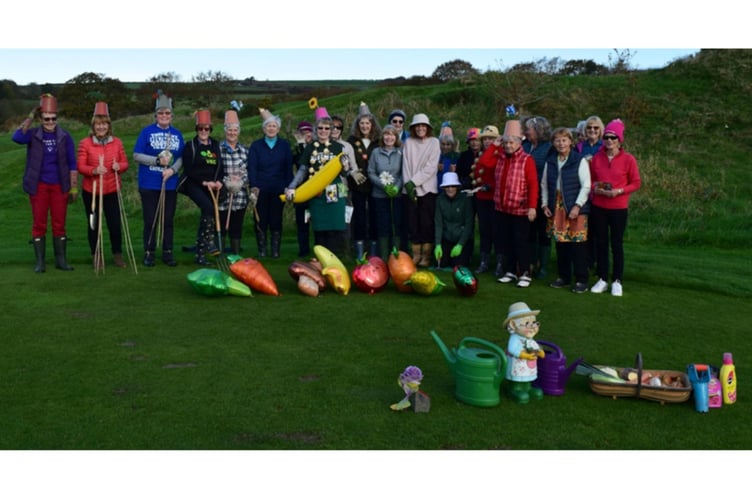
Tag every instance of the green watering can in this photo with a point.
(478, 373)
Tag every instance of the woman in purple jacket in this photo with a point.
(50, 179)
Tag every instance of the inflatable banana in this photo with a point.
(328, 261)
(318, 181)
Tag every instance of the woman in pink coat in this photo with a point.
(615, 177)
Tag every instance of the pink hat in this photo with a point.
(615, 127)
(231, 117)
(203, 117)
(321, 113)
(101, 109)
(48, 103)
(513, 128)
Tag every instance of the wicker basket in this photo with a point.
(638, 390)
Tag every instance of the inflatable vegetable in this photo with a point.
(254, 274)
(401, 267)
(370, 274)
(299, 269)
(308, 286)
(213, 282)
(425, 283)
(465, 281)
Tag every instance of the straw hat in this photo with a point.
(518, 310)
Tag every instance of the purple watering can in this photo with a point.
(552, 370)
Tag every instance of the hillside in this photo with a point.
(686, 124)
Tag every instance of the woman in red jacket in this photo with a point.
(102, 160)
(615, 176)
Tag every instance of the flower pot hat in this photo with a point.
(48, 103)
(101, 109)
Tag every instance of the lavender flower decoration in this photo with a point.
(411, 375)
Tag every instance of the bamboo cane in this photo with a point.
(124, 225)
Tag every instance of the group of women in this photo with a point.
(400, 186)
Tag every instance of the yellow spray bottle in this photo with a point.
(728, 379)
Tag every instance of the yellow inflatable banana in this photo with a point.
(340, 278)
(318, 181)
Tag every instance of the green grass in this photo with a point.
(130, 361)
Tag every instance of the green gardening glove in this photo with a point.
(410, 188)
(391, 190)
(456, 250)
(438, 252)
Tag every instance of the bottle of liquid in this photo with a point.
(728, 379)
(715, 394)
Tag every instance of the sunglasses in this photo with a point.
(164, 113)
(203, 129)
(338, 127)
(610, 138)
(50, 118)
(323, 128)
(398, 121)
(593, 128)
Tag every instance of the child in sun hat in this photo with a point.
(454, 224)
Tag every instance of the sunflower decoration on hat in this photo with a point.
(313, 103)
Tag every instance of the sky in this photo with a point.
(25, 66)
(374, 41)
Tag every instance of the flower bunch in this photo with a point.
(511, 111)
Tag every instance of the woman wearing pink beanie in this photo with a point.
(615, 177)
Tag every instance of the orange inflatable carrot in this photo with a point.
(254, 274)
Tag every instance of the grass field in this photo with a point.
(130, 361)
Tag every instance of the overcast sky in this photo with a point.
(137, 65)
(283, 40)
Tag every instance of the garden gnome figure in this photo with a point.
(410, 380)
(522, 353)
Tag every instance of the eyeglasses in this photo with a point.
(593, 128)
(323, 128)
(50, 118)
(398, 121)
(610, 138)
(203, 129)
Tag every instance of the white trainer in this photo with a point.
(616, 289)
(600, 287)
(507, 278)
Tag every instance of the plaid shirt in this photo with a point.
(235, 163)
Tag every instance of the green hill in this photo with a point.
(686, 123)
